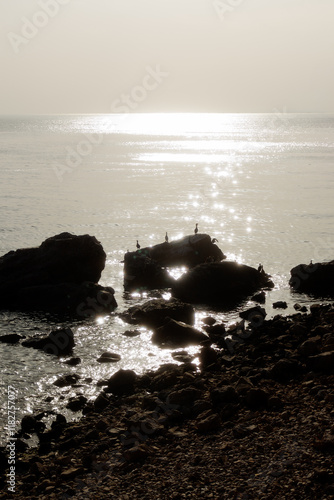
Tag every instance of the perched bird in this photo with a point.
(260, 268)
(166, 237)
(138, 246)
(214, 240)
(196, 229)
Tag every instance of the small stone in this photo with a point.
(108, 357)
(73, 361)
(280, 304)
(76, 404)
(66, 380)
(210, 423)
(69, 474)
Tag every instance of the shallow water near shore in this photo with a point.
(261, 184)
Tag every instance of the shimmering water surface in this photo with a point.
(261, 184)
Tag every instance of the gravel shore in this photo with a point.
(255, 423)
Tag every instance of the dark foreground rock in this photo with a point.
(60, 277)
(177, 334)
(220, 284)
(257, 423)
(146, 268)
(316, 279)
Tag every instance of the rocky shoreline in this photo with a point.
(251, 422)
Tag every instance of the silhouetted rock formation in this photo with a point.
(144, 269)
(220, 283)
(60, 276)
(317, 279)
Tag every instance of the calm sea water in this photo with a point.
(262, 184)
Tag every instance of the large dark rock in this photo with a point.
(177, 334)
(221, 284)
(59, 276)
(154, 312)
(64, 258)
(188, 251)
(145, 268)
(316, 279)
(122, 382)
(84, 301)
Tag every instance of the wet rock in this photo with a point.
(101, 402)
(154, 312)
(109, 357)
(59, 342)
(255, 315)
(215, 331)
(182, 357)
(76, 403)
(28, 424)
(131, 333)
(208, 320)
(280, 304)
(66, 380)
(220, 284)
(317, 279)
(12, 338)
(177, 334)
(207, 357)
(259, 297)
(73, 361)
(300, 308)
(122, 382)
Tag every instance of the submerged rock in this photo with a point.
(221, 284)
(316, 279)
(59, 276)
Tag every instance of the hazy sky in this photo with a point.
(99, 56)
